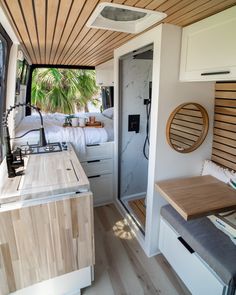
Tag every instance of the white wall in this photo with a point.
(11, 75)
(168, 162)
(167, 93)
(11, 85)
(7, 27)
(136, 75)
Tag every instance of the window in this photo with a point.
(22, 74)
(5, 45)
(65, 90)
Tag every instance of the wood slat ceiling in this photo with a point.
(54, 31)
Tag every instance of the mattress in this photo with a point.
(79, 137)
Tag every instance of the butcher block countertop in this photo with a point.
(44, 175)
(198, 196)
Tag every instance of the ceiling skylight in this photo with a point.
(122, 18)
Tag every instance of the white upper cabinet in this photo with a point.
(105, 73)
(209, 48)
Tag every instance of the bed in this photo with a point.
(53, 124)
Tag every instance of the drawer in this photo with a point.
(98, 167)
(194, 272)
(102, 188)
(98, 152)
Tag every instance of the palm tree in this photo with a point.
(63, 90)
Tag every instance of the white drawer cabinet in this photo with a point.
(97, 152)
(208, 48)
(193, 271)
(97, 163)
(98, 167)
(102, 188)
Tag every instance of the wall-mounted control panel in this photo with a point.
(134, 123)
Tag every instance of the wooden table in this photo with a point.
(198, 196)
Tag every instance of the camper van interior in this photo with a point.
(118, 147)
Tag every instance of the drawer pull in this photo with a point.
(93, 161)
(215, 73)
(95, 176)
(186, 245)
(96, 144)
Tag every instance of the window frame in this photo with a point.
(7, 45)
(38, 66)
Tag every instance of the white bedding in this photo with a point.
(79, 137)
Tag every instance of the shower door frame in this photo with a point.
(126, 206)
(149, 242)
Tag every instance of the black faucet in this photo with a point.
(14, 158)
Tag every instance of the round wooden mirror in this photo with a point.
(187, 127)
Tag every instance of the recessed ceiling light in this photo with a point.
(122, 18)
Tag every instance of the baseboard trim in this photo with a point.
(103, 203)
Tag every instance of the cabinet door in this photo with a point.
(100, 79)
(41, 242)
(102, 188)
(105, 74)
(208, 48)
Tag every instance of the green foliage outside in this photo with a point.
(63, 90)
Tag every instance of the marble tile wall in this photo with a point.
(136, 75)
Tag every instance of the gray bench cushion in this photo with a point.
(212, 245)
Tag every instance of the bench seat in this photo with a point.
(212, 245)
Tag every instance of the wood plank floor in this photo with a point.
(121, 267)
(139, 210)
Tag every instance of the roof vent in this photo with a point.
(122, 18)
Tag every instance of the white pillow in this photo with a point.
(223, 174)
(108, 113)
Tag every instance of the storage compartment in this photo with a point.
(208, 48)
(98, 167)
(105, 73)
(102, 188)
(97, 163)
(97, 152)
(49, 245)
(194, 272)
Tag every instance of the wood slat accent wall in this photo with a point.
(55, 31)
(44, 241)
(224, 140)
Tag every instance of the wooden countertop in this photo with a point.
(198, 196)
(44, 175)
